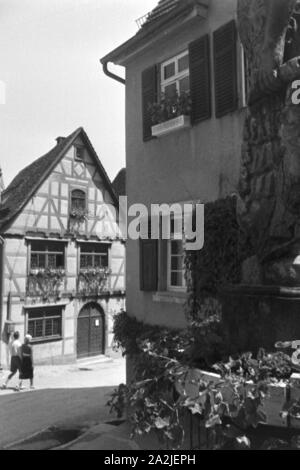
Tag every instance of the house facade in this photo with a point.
(185, 106)
(62, 256)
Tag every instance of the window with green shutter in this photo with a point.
(149, 96)
(225, 69)
(185, 78)
(199, 60)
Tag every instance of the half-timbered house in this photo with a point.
(61, 254)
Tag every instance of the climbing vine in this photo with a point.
(219, 262)
(168, 383)
(167, 386)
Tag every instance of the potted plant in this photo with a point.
(170, 113)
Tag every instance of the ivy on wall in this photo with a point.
(207, 272)
(168, 364)
(219, 262)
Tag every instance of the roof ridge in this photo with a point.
(27, 167)
(163, 7)
(23, 186)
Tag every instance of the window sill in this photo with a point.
(167, 127)
(171, 297)
(50, 339)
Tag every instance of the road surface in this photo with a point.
(69, 395)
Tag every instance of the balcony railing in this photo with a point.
(142, 20)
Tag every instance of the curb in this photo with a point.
(20, 441)
(91, 362)
(132, 444)
(68, 446)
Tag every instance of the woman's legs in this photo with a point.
(9, 378)
(19, 387)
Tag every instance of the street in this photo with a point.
(73, 396)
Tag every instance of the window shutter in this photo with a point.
(149, 95)
(199, 56)
(225, 65)
(148, 265)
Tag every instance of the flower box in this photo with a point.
(175, 124)
(93, 281)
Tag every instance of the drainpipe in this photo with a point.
(1, 289)
(112, 75)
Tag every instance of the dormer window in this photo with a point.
(175, 75)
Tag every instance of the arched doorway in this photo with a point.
(90, 331)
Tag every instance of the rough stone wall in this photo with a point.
(270, 167)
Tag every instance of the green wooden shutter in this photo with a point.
(225, 68)
(199, 57)
(149, 95)
(148, 265)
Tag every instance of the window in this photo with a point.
(190, 72)
(162, 263)
(93, 255)
(175, 262)
(78, 200)
(79, 153)
(45, 324)
(187, 72)
(47, 255)
(175, 75)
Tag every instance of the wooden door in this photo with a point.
(90, 331)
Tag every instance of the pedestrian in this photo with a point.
(27, 362)
(16, 358)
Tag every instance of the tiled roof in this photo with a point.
(163, 7)
(28, 180)
(119, 183)
(166, 13)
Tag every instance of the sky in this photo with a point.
(51, 81)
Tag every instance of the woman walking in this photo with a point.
(27, 362)
(16, 357)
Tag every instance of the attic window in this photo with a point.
(78, 200)
(78, 154)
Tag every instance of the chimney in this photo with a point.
(59, 140)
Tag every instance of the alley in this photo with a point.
(71, 395)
